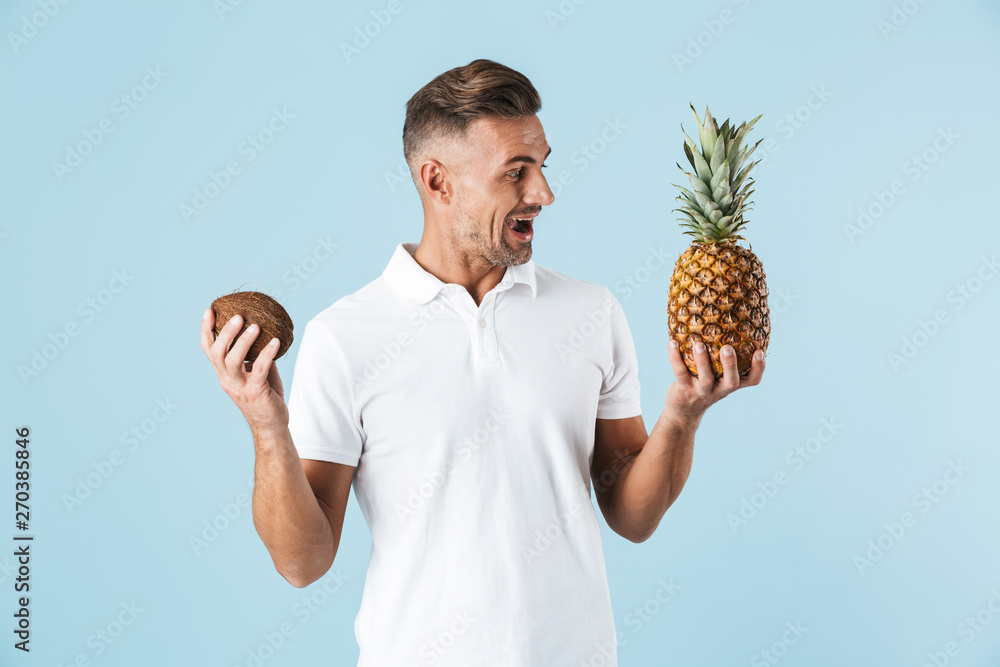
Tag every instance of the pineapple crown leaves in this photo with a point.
(712, 211)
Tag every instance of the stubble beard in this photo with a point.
(467, 237)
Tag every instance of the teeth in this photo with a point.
(514, 223)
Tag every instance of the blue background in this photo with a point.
(848, 97)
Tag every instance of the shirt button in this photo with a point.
(482, 323)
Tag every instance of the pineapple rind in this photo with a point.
(718, 295)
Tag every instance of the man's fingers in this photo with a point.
(222, 342)
(207, 331)
(730, 380)
(756, 371)
(681, 372)
(234, 360)
(706, 379)
(274, 379)
(262, 364)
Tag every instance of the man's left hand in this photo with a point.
(689, 397)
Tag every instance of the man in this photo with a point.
(469, 396)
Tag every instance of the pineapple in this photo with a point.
(717, 292)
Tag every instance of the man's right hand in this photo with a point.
(256, 391)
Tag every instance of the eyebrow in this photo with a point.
(526, 158)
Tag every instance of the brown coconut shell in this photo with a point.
(256, 308)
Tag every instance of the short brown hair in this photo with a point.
(452, 100)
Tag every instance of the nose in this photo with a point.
(538, 191)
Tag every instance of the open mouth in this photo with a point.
(521, 227)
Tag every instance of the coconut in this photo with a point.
(256, 308)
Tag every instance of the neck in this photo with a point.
(454, 265)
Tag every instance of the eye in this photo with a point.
(520, 172)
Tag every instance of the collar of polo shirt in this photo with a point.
(413, 283)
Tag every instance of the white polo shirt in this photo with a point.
(472, 429)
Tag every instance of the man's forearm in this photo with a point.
(648, 485)
(287, 514)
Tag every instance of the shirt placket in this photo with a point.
(486, 333)
(480, 322)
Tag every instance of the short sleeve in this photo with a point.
(620, 390)
(321, 415)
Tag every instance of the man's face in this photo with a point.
(497, 178)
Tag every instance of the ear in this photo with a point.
(433, 176)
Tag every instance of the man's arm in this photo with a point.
(298, 507)
(298, 504)
(637, 478)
